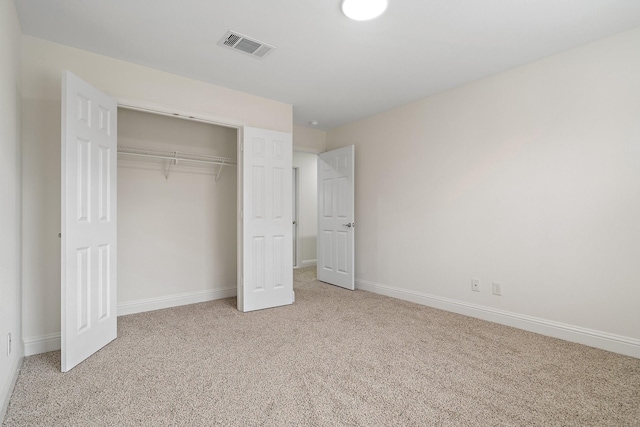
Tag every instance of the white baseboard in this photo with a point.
(51, 342)
(603, 340)
(158, 303)
(41, 344)
(7, 389)
(308, 263)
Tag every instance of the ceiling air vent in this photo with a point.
(245, 44)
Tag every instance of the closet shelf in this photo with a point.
(176, 156)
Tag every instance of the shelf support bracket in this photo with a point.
(173, 161)
(219, 170)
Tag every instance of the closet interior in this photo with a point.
(177, 195)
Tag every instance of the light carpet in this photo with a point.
(334, 358)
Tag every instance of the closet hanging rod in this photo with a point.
(181, 159)
(176, 156)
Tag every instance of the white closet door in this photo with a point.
(267, 241)
(336, 217)
(88, 282)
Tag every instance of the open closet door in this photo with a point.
(266, 215)
(336, 217)
(88, 257)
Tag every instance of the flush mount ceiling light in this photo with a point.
(364, 10)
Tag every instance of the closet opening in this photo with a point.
(177, 211)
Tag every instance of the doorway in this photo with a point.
(306, 164)
(177, 240)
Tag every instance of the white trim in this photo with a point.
(51, 342)
(166, 110)
(309, 263)
(158, 303)
(7, 391)
(41, 344)
(296, 219)
(603, 340)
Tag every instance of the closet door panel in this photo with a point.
(267, 273)
(88, 226)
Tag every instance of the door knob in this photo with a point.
(349, 224)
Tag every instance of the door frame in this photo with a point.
(316, 152)
(296, 216)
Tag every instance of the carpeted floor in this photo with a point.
(334, 358)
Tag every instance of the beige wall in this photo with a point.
(176, 235)
(310, 140)
(43, 63)
(530, 178)
(10, 183)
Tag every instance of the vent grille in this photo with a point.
(231, 40)
(244, 44)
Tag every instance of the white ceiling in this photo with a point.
(331, 69)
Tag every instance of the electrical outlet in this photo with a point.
(475, 285)
(9, 344)
(497, 288)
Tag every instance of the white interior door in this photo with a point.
(336, 217)
(267, 269)
(88, 282)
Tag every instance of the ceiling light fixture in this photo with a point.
(314, 123)
(364, 10)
